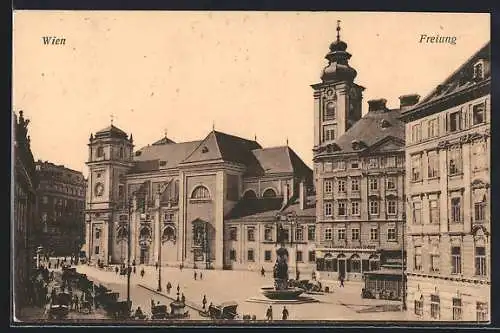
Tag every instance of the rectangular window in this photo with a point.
(417, 259)
(373, 184)
(433, 128)
(328, 234)
(455, 122)
(455, 161)
(299, 234)
(328, 186)
(390, 162)
(481, 311)
(373, 207)
(391, 234)
(341, 185)
(329, 133)
(96, 250)
(416, 168)
(417, 213)
(328, 166)
(267, 255)
(355, 165)
(479, 155)
(419, 307)
(435, 307)
(355, 234)
(372, 163)
(435, 261)
(416, 133)
(341, 234)
(342, 208)
(250, 255)
(478, 114)
(391, 207)
(480, 261)
(478, 71)
(433, 211)
(312, 256)
(328, 209)
(456, 210)
(391, 183)
(299, 256)
(97, 234)
(456, 260)
(457, 309)
(355, 208)
(268, 234)
(341, 165)
(374, 233)
(432, 164)
(355, 184)
(232, 255)
(311, 233)
(233, 232)
(480, 211)
(45, 200)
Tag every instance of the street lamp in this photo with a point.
(129, 270)
(403, 275)
(291, 219)
(159, 253)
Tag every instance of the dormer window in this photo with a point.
(138, 153)
(385, 123)
(163, 163)
(100, 152)
(479, 70)
(204, 150)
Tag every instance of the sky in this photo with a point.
(243, 73)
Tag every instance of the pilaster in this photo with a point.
(219, 220)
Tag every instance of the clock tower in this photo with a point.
(110, 158)
(337, 99)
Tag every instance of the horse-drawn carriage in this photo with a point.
(176, 312)
(307, 285)
(226, 310)
(60, 306)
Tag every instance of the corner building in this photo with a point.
(177, 196)
(359, 174)
(448, 196)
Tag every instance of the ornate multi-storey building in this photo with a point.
(359, 174)
(177, 196)
(448, 193)
(61, 201)
(23, 211)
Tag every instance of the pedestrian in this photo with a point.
(50, 264)
(133, 262)
(183, 298)
(262, 271)
(285, 313)
(156, 265)
(152, 304)
(195, 275)
(298, 275)
(314, 275)
(201, 275)
(116, 270)
(204, 301)
(210, 308)
(142, 272)
(134, 269)
(269, 313)
(342, 281)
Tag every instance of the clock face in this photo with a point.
(99, 189)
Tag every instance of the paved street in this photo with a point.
(219, 286)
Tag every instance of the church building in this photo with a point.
(177, 196)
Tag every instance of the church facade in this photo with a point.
(178, 196)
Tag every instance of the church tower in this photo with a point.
(110, 158)
(337, 99)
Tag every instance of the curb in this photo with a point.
(190, 305)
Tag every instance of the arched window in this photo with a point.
(145, 233)
(121, 152)
(168, 234)
(269, 193)
(355, 263)
(122, 233)
(374, 262)
(100, 151)
(200, 192)
(250, 194)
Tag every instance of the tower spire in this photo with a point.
(111, 116)
(338, 30)
(165, 131)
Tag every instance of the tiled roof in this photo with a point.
(280, 160)
(255, 208)
(111, 131)
(163, 141)
(369, 130)
(461, 79)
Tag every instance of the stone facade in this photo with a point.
(448, 197)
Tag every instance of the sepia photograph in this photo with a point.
(250, 168)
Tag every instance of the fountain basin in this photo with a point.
(286, 294)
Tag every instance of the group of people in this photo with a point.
(284, 313)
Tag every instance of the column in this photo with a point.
(467, 205)
(157, 225)
(88, 236)
(219, 219)
(105, 235)
(443, 186)
(180, 219)
(133, 231)
(317, 118)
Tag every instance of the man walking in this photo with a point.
(285, 313)
(201, 275)
(342, 281)
(204, 301)
(142, 272)
(169, 286)
(269, 313)
(156, 265)
(195, 275)
(262, 271)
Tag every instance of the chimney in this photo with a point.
(302, 195)
(377, 104)
(406, 101)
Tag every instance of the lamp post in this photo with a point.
(129, 270)
(403, 275)
(159, 254)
